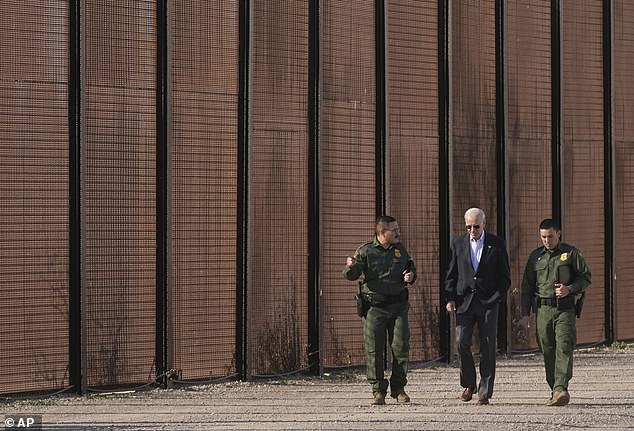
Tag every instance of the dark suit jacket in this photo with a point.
(489, 283)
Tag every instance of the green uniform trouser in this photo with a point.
(557, 336)
(393, 319)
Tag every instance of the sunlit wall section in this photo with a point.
(528, 141)
(412, 156)
(118, 193)
(278, 187)
(34, 152)
(623, 141)
(347, 168)
(203, 174)
(582, 151)
(472, 164)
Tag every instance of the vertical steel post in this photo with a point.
(608, 20)
(76, 366)
(162, 192)
(556, 111)
(381, 109)
(504, 322)
(443, 167)
(242, 192)
(314, 232)
(380, 120)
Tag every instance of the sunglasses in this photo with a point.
(475, 226)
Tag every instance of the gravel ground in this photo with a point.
(602, 398)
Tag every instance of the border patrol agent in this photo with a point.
(387, 269)
(551, 296)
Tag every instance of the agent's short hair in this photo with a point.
(549, 223)
(383, 222)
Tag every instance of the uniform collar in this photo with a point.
(376, 243)
(554, 250)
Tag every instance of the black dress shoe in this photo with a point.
(467, 394)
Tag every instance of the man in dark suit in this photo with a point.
(476, 283)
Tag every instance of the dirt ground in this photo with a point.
(602, 398)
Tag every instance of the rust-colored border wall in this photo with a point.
(112, 101)
(34, 207)
(412, 154)
(118, 196)
(203, 186)
(278, 187)
(347, 171)
(623, 143)
(472, 164)
(528, 141)
(582, 152)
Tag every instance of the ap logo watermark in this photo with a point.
(29, 422)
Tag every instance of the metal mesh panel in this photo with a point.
(34, 192)
(203, 145)
(623, 143)
(412, 78)
(278, 188)
(529, 137)
(472, 152)
(582, 152)
(347, 125)
(118, 191)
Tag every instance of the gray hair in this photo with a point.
(475, 212)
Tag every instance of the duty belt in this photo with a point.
(548, 301)
(566, 303)
(379, 300)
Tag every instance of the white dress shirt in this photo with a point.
(476, 250)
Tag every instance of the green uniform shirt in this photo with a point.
(542, 272)
(382, 267)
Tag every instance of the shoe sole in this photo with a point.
(560, 402)
(378, 402)
(401, 400)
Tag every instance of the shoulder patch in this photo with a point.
(362, 248)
